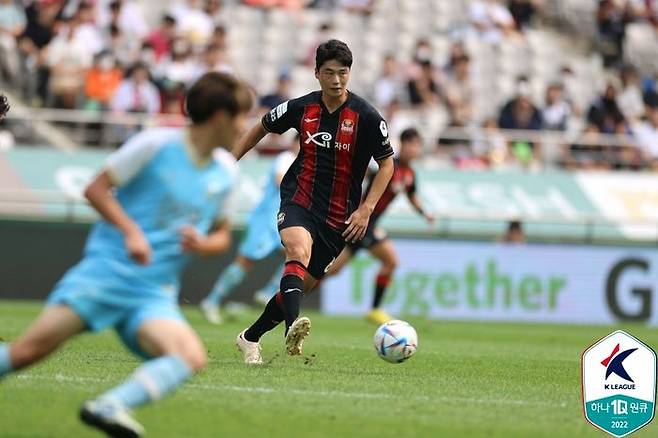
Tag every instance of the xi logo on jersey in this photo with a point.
(619, 384)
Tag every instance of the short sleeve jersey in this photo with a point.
(402, 181)
(335, 149)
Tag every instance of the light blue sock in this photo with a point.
(5, 361)
(272, 287)
(230, 278)
(150, 382)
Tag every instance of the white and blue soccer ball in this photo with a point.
(396, 341)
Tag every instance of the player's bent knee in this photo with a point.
(196, 359)
(298, 251)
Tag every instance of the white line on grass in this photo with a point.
(306, 392)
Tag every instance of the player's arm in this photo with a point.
(358, 221)
(249, 140)
(415, 202)
(277, 121)
(99, 194)
(216, 242)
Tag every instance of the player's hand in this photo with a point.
(190, 238)
(357, 225)
(429, 217)
(138, 247)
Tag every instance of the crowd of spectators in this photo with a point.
(101, 55)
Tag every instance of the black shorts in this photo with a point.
(327, 242)
(373, 236)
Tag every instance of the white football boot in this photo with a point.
(250, 350)
(112, 418)
(211, 312)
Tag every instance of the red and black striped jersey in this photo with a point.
(403, 180)
(335, 149)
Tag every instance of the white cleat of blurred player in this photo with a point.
(112, 418)
(211, 312)
(250, 350)
(262, 297)
(298, 331)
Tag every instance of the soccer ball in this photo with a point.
(395, 341)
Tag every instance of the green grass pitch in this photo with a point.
(467, 380)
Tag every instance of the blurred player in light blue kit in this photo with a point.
(261, 240)
(162, 197)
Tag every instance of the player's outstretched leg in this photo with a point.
(264, 295)
(53, 327)
(385, 252)
(178, 353)
(231, 277)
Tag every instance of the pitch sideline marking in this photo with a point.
(267, 390)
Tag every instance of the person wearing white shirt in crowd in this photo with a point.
(192, 21)
(87, 29)
(12, 24)
(491, 20)
(629, 99)
(214, 58)
(128, 14)
(556, 112)
(137, 93)
(389, 85)
(646, 132)
(181, 68)
(69, 58)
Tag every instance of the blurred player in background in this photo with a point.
(4, 106)
(260, 241)
(375, 240)
(162, 197)
(321, 205)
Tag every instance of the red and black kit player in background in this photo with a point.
(321, 204)
(375, 240)
(4, 106)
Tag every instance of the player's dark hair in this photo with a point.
(409, 134)
(333, 50)
(217, 92)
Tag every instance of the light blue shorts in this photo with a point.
(110, 301)
(262, 239)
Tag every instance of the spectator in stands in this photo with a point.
(37, 35)
(629, 99)
(87, 30)
(523, 11)
(215, 11)
(127, 16)
(520, 114)
(612, 19)
(457, 52)
(604, 114)
(214, 58)
(69, 58)
(491, 21)
(459, 90)
(160, 39)
(492, 145)
(646, 132)
(102, 81)
(557, 109)
(218, 37)
(123, 48)
(279, 95)
(389, 85)
(192, 21)
(423, 89)
(514, 232)
(137, 93)
(12, 25)
(182, 67)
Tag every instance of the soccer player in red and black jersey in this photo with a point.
(375, 239)
(321, 204)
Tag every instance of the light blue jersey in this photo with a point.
(262, 236)
(162, 187)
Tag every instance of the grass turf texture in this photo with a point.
(467, 379)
